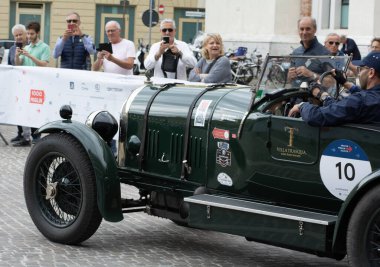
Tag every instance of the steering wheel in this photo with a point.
(282, 105)
(328, 81)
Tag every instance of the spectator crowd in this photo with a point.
(169, 58)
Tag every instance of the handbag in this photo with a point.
(169, 62)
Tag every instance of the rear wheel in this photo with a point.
(60, 190)
(363, 236)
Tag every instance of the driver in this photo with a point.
(360, 107)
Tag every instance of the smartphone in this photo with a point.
(19, 45)
(70, 27)
(105, 46)
(166, 39)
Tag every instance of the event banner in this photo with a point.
(32, 96)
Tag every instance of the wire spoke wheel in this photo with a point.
(363, 234)
(60, 190)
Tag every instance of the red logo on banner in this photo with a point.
(221, 134)
(37, 96)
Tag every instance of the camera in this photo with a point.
(166, 39)
(71, 27)
(19, 45)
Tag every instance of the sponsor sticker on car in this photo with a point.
(343, 165)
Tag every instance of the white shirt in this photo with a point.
(122, 50)
(187, 60)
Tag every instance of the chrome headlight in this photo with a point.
(103, 123)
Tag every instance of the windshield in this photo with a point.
(276, 70)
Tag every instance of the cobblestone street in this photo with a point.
(138, 240)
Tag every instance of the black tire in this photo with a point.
(363, 234)
(60, 190)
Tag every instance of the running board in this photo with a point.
(286, 227)
(263, 209)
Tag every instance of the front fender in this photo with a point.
(349, 205)
(103, 162)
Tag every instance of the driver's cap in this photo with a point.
(372, 60)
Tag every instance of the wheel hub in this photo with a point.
(51, 190)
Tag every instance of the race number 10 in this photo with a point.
(342, 166)
(348, 171)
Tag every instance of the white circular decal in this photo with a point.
(343, 165)
(224, 179)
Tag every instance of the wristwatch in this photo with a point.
(300, 105)
(323, 97)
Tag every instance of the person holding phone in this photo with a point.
(119, 55)
(36, 53)
(170, 57)
(73, 46)
(19, 35)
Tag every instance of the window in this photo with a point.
(326, 9)
(344, 14)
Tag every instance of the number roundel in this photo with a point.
(343, 165)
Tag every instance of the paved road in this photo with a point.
(139, 240)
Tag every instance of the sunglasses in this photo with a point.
(167, 30)
(111, 30)
(331, 43)
(361, 68)
(71, 20)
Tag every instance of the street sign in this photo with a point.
(197, 14)
(145, 18)
(161, 9)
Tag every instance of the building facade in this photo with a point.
(271, 25)
(95, 13)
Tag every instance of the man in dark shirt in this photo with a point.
(349, 47)
(306, 70)
(359, 107)
(74, 47)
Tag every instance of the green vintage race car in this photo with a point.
(222, 157)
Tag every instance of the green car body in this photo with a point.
(213, 157)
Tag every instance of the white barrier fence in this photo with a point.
(32, 96)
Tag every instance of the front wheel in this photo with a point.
(60, 190)
(363, 235)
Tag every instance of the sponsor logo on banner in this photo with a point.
(37, 96)
(223, 155)
(221, 134)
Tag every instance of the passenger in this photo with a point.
(73, 46)
(375, 44)
(170, 60)
(19, 35)
(350, 47)
(213, 67)
(36, 53)
(302, 70)
(359, 107)
(332, 43)
(123, 52)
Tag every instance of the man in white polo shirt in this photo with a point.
(123, 54)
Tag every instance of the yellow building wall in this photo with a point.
(87, 10)
(4, 19)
